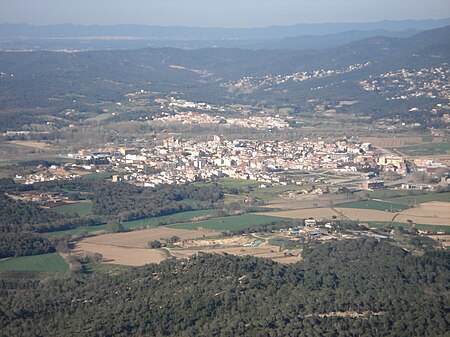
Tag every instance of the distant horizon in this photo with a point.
(212, 14)
(224, 27)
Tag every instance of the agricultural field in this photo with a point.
(426, 149)
(420, 199)
(378, 205)
(82, 209)
(97, 175)
(384, 224)
(47, 263)
(130, 248)
(230, 223)
(139, 239)
(142, 223)
(238, 183)
(32, 144)
(316, 213)
(273, 194)
(432, 213)
(122, 255)
(393, 141)
(167, 219)
(387, 194)
(265, 251)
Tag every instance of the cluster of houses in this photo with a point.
(255, 122)
(177, 161)
(411, 83)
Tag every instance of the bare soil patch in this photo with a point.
(265, 251)
(392, 142)
(30, 143)
(443, 239)
(130, 248)
(139, 239)
(356, 214)
(122, 255)
(431, 213)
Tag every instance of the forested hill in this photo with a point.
(76, 80)
(342, 288)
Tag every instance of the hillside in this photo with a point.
(350, 288)
(55, 81)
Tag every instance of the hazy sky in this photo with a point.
(219, 13)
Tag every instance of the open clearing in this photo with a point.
(419, 199)
(392, 142)
(426, 149)
(265, 250)
(443, 239)
(81, 209)
(354, 214)
(131, 248)
(230, 223)
(30, 143)
(139, 239)
(377, 205)
(316, 213)
(142, 223)
(47, 263)
(430, 213)
(122, 255)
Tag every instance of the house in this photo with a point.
(310, 223)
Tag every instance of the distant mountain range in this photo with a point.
(296, 37)
(63, 80)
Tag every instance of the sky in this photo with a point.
(217, 13)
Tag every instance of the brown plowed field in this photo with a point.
(131, 248)
(265, 251)
(392, 142)
(122, 255)
(139, 239)
(430, 213)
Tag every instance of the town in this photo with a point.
(179, 161)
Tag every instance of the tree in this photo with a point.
(115, 227)
(154, 244)
(174, 239)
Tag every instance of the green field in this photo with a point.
(388, 194)
(47, 263)
(143, 223)
(166, 219)
(271, 193)
(376, 205)
(382, 224)
(238, 183)
(427, 148)
(427, 139)
(81, 209)
(419, 199)
(102, 175)
(230, 223)
(233, 183)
